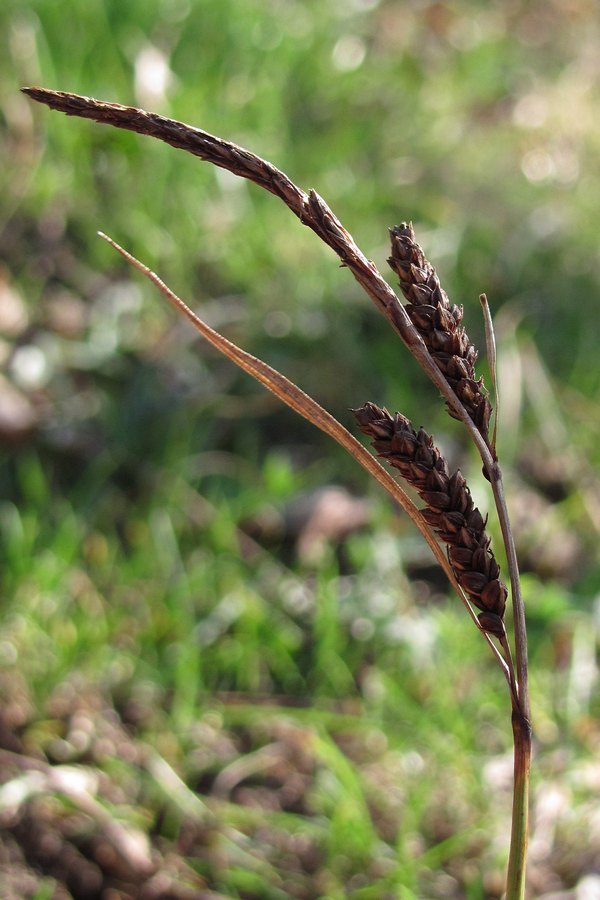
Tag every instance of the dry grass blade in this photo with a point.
(309, 409)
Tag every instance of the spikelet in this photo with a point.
(438, 323)
(449, 508)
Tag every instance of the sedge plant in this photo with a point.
(431, 329)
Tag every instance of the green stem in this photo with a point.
(515, 882)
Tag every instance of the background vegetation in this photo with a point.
(227, 667)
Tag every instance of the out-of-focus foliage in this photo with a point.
(173, 554)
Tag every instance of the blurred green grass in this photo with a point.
(150, 537)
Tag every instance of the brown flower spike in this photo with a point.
(449, 508)
(438, 323)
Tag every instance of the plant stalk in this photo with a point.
(515, 879)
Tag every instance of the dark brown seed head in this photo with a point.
(449, 507)
(439, 324)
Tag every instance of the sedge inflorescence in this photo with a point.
(449, 508)
(439, 323)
